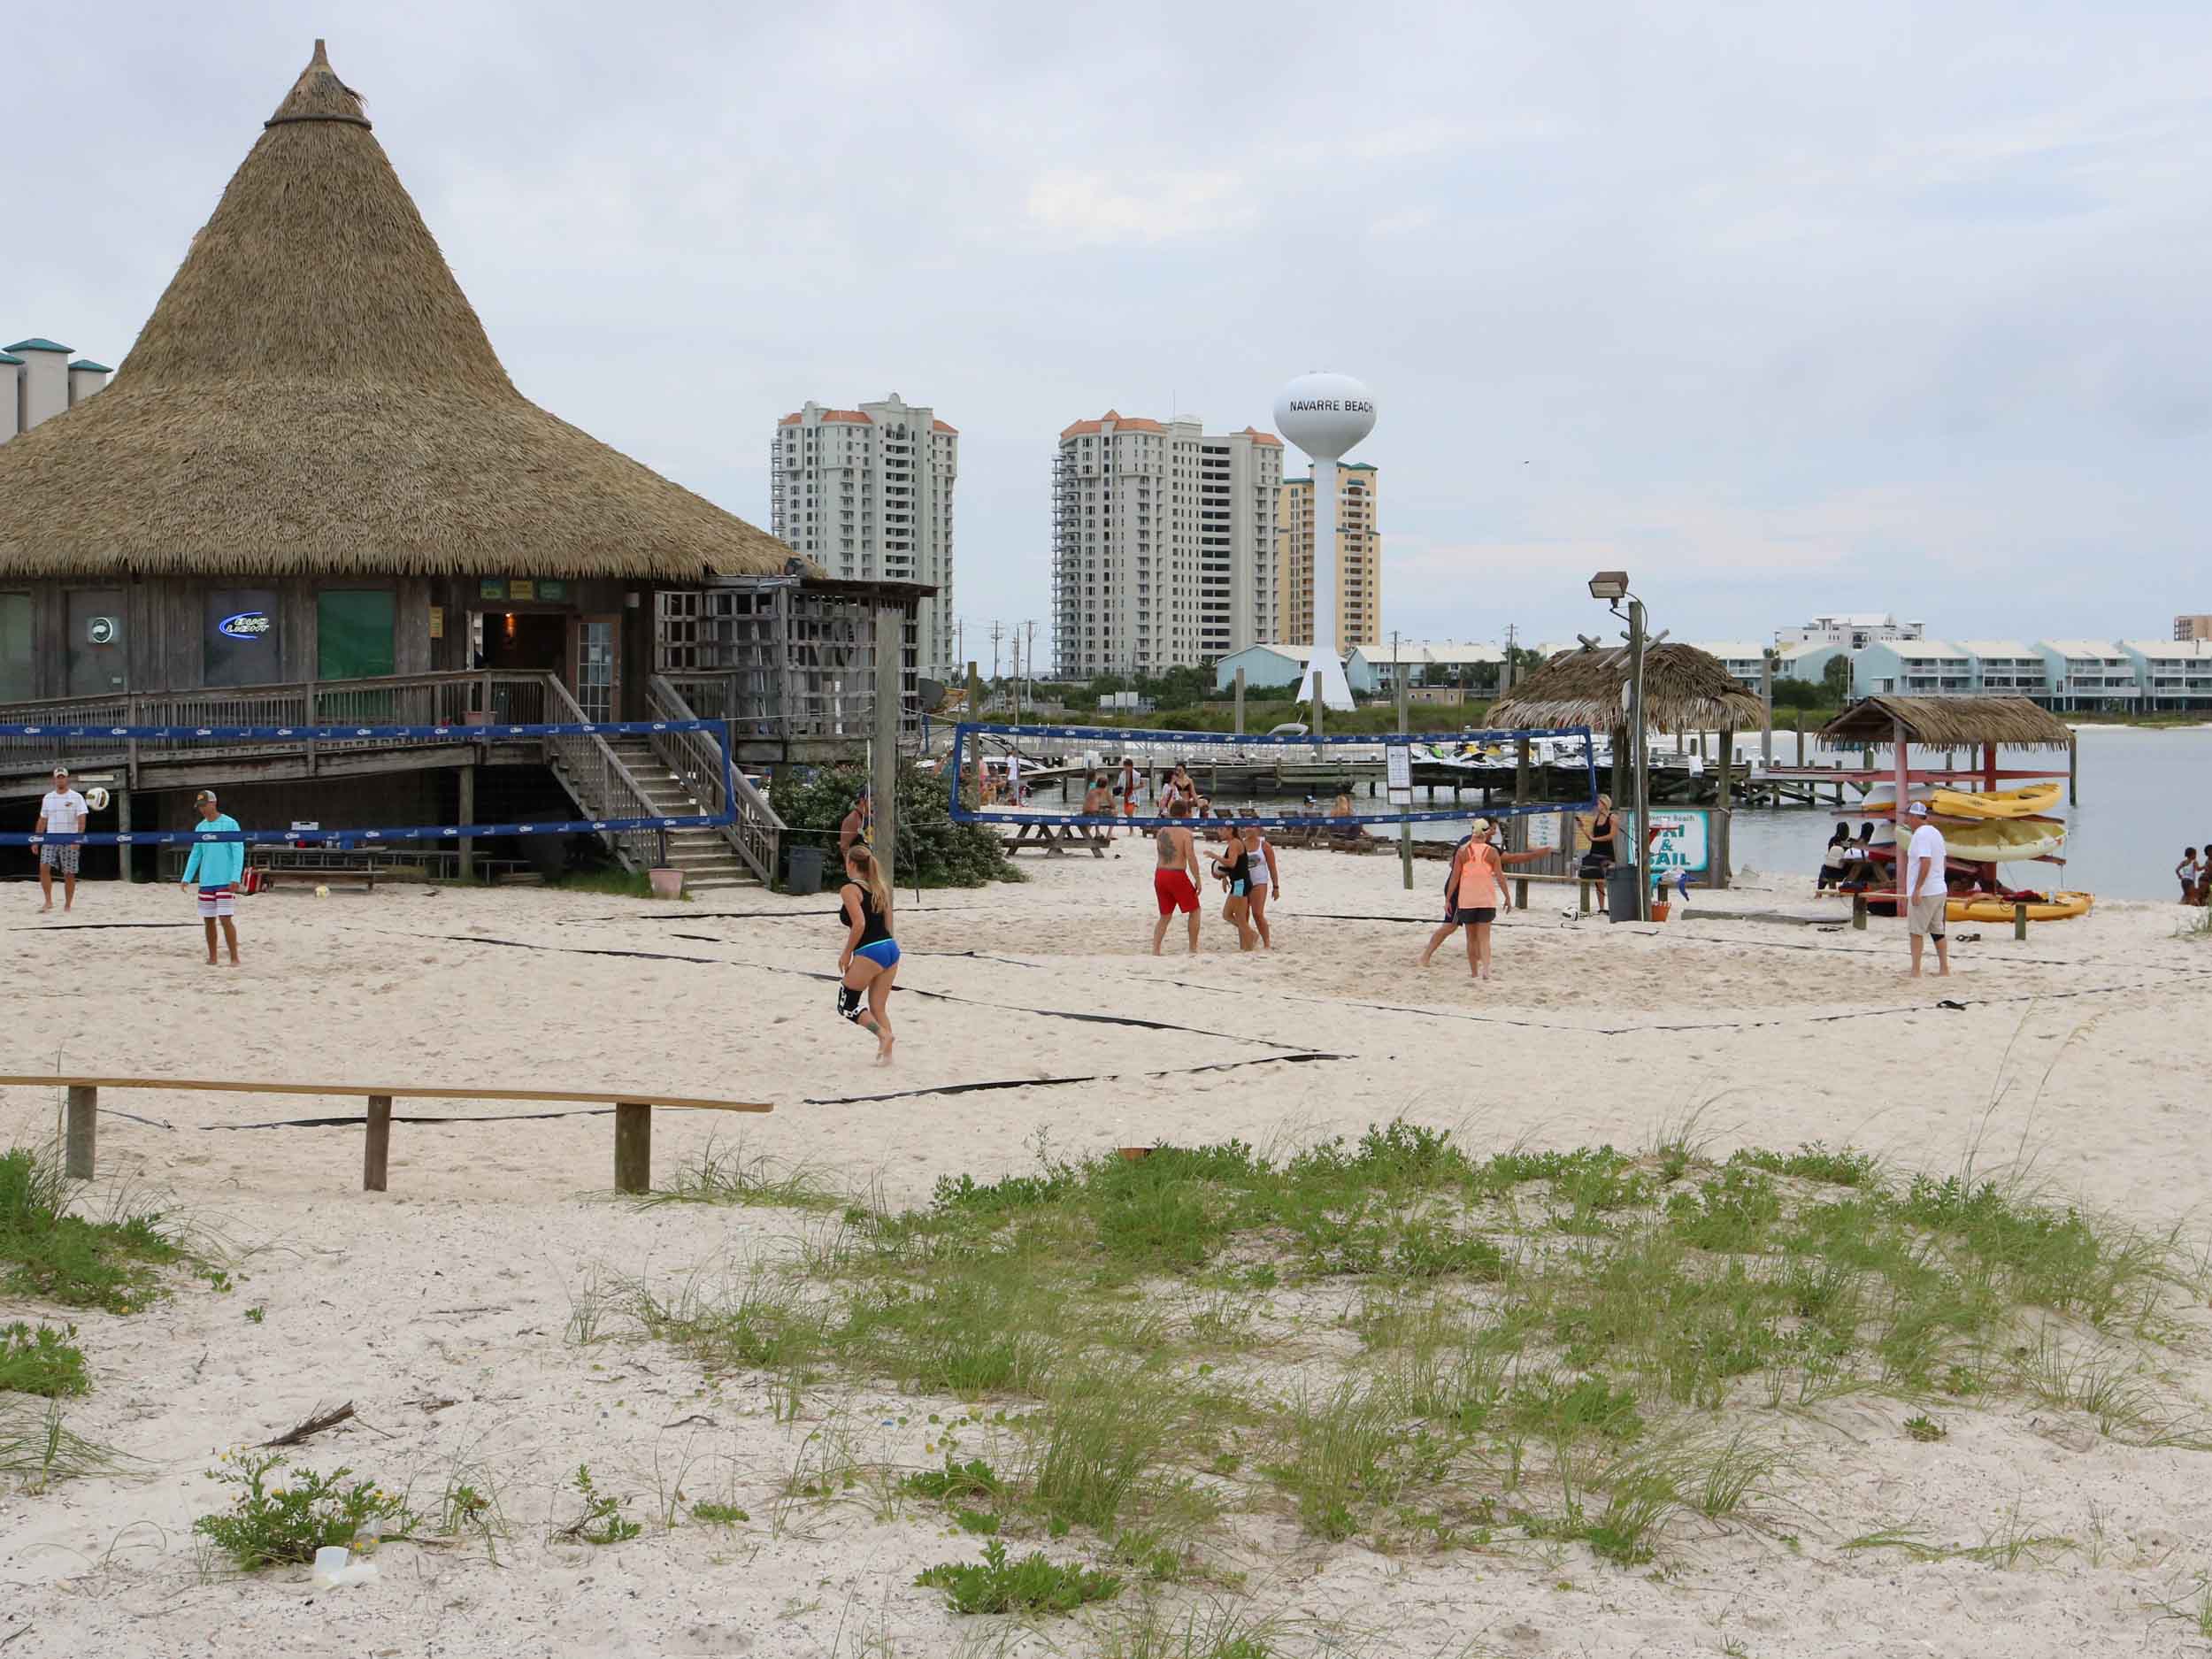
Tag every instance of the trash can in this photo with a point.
(1621, 884)
(803, 872)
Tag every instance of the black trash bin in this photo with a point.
(803, 870)
(1621, 882)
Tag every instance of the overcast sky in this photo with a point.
(1783, 308)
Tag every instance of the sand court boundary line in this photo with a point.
(1138, 1021)
(1057, 1082)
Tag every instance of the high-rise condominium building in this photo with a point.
(866, 493)
(1358, 558)
(2193, 627)
(1162, 545)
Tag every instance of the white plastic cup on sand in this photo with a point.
(330, 1561)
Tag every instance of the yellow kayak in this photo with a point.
(2035, 798)
(2054, 906)
(2003, 840)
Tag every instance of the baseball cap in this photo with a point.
(61, 771)
(1480, 827)
(1918, 809)
(207, 796)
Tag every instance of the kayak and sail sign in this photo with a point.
(244, 624)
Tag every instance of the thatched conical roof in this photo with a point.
(314, 396)
(1684, 690)
(1947, 723)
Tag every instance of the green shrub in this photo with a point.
(1034, 1584)
(274, 1517)
(42, 1362)
(932, 851)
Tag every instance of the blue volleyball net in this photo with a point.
(110, 745)
(1406, 764)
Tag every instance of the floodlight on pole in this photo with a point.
(1610, 586)
(1326, 415)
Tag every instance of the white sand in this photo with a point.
(2087, 1049)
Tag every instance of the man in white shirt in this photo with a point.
(1926, 892)
(63, 812)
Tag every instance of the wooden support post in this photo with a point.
(883, 841)
(974, 711)
(1725, 812)
(81, 1135)
(1584, 888)
(376, 1151)
(633, 1148)
(1520, 892)
(1240, 703)
(123, 827)
(466, 778)
(1858, 910)
(2073, 764)
(2020, 918)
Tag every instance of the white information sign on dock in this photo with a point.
(1398, 766)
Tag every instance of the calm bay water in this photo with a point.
(2145, 793)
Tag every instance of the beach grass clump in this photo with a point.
(38, 1449)
(1389, 1338)
(48, 1253)
(720, 1174)
(42, 1360)
(279, 1514)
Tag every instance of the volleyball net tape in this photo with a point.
(1475, 757)
(351, 839)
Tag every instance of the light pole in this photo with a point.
(1612, 587)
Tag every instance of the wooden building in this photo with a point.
(311, 467)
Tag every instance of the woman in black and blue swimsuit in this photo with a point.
(870, 962)
(1235, 867)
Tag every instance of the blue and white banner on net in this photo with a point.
(1103, 749)
(353, 840)
(347, 733)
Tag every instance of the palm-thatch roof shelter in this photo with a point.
(1947, 723)
(313, 409)
(1684, 690)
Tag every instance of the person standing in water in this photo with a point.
(1175, 880)
(870, 961)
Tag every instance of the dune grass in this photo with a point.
(50, 1254)
(1395, 1339)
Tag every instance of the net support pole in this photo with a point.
(1405, 831)
(1240, 703)
(465, 774)
(884, 779)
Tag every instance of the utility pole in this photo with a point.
(1506, 675)
(1030, 657)
(1639, 741)
(998, 632)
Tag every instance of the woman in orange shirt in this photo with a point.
(1478, 894)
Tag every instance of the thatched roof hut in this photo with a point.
(1684, 690)
(1947, 723)
(315, 397)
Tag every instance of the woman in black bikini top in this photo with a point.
(1601, 830)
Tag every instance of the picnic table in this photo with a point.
(1058, 839)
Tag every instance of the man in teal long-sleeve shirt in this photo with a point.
(213, 869)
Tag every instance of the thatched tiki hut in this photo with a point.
(311, 467)
(1684, 690)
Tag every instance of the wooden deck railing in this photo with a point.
(755, 834)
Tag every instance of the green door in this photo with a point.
(15, 648)
(353, 634)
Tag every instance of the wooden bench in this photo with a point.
(633, 1116)
(1057, 839)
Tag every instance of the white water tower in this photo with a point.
(1326, 415)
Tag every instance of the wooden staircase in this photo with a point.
(706, 859)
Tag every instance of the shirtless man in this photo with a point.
(1175, 882)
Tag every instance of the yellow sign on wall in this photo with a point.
(437, 622)
(521, 587)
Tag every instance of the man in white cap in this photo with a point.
(1926, 892)
(211, 874)
(61, 812)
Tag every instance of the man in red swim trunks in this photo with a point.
(1175, 883)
